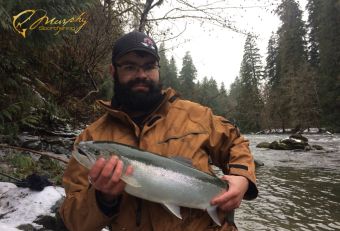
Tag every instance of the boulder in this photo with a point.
(28, 141)
(27, 227)
(292, 144)
(258, 163)
(317, 147)
(263, 145)
(299, 137)
(308, 148)
(277, 145)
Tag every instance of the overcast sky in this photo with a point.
(217, 52)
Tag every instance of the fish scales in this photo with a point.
(184, 190)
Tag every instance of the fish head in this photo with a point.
(88, 148)
(87, 153)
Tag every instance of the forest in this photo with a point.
(48, 80)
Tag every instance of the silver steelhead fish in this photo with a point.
(156, 178)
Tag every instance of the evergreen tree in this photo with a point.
(173, 76)
(187, 76)
(273, 113)
(232, 112)
(169, 75)
(168, 70)
(249, 101)
(324, 17)
(222, 101)
(313, 7)
(272, 65)
(295, 75)
(164, 66)
(207, 93)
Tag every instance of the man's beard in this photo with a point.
(137, 101)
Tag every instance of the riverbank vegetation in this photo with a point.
(17, 165)
(48, 80)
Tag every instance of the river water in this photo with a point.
(298, 190)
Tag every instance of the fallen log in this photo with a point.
(48, 154)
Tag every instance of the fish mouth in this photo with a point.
(81, 151)
(83, 157)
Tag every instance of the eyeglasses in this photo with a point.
(134, 68)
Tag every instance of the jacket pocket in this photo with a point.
(181, 136)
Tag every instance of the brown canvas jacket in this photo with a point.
(176, 127)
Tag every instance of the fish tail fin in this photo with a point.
(212, 211)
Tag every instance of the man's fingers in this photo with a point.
(117, 172)
(226, 178)
(222, 198)
(231, 199)
(230, 205)
(106, 175)
(107, 171)
(129, 170)
(119, 187)
(97, 169)
(116, 182)
(226, 201)
(111, 185)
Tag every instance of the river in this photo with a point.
(298, 190)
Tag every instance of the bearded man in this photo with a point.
(143, 115)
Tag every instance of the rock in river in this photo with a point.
(294, 142)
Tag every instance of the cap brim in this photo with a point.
(147, 50)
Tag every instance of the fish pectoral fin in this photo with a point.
(212, 211)
(130, 181)
(175, 209)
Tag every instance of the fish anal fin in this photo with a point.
(212, 211)
(175, 209)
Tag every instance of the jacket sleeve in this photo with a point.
(80, 211)
(230, 152)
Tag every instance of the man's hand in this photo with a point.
(105, 177)
(231, 199)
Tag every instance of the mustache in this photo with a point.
(136, 81)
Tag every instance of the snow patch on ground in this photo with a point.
(22, 206)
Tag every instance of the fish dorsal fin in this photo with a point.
(182, 160)
(212, 211)
(175, 209)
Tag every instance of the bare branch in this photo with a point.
(160, 2)
(144, 15)
(176, 36)
(96, 90)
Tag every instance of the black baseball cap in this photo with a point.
(134, 41)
